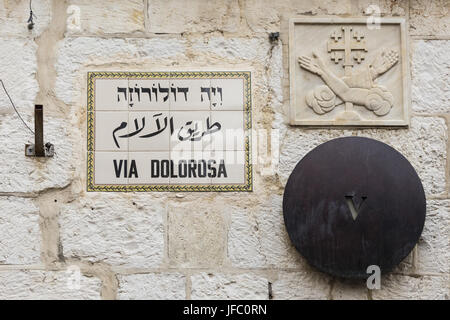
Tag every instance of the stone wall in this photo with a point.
(193, 245)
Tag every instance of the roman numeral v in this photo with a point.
(354, 210)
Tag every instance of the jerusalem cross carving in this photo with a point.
(346, 73)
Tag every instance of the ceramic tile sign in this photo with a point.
(169, 131)
(347, 72)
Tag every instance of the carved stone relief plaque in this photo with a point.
(346, 72)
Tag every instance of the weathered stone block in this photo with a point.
(19, 173)
(105, 17)
(258, 238)
(19, 66)
(381, 8)
(152, 286)
(74, 54)
(14, 16)
(301, 286)
(197, 232)
(19, 231)
(47, 285)
(199, 16)
(413, 288)
(375, 87)
(349, 290)
(114, 229)
(433, 254)
(266, 15)
(429, 18)
(27, 174)
(423, 144)
(430, 88)
(229, 286)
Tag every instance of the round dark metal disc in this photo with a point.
(354, 202)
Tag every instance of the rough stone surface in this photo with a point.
(429, 18)
(430, 71)
(196, 234)
(424, 145)
(47, 285)
(17, 172)
(382, 8)
(261, 16)
(258, 238)
(229, 286)
(14, 16)
(18, 66)
(105, 17)
(172, 16)
(349, 290)
(120, 231)
(153, 286)
(433, 254)
(19, 231)
(75, 54)
(413, 288)
(254, 50)
(304, 285)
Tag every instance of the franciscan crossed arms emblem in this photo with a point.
(356, 87)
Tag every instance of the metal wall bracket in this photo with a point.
(49, 150)
(38, 149)
(274, 36)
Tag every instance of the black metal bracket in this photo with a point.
(274, 36)
(38, 149)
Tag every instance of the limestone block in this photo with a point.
(229, 286)
(429, 18)
(413, 288)
(267, 15)
(197, 233)
(423, 144)
(19, 231)
(433, 254)
(17, 172)
(263, 16)
(14, 16)
(174, 16)
(74, 54)
(253, 50)
(302, 285)
(381, 8)
(430, 87)
(115, 229)
(343, 289)
(406, 266)
(374, 90)
(329, 7)
(276, 76)
(47, 285)
(152, 286)
(26, 174)
(106, 17)
(259, 239)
